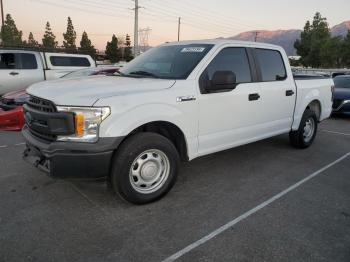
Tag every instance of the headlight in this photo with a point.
(87, 122)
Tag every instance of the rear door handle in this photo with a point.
(14, 73)
(253, 97)
(289, 92)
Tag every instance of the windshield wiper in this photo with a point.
(143, 73)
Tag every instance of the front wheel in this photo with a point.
(305, 135)
(144, 168)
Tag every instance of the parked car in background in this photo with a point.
(181, 100)
(101, 70)
(341, 102)
(121, 64)
(11, 111)
(21, 68)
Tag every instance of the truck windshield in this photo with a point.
(167, 62)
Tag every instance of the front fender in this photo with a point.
(124, 122)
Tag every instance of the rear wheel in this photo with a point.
(305, 135)
(145, 168)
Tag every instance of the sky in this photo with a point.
(200, 19)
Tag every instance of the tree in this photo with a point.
(346, 51)
(49, 39)
(31, 40)
(330, 52)
(86, 46)
(10, 35)
(128, 50)
(70, 36)
(303, 44)
(312, 41)
(112, 51)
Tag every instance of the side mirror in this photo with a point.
(222, 81)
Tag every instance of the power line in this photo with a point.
(72, 7)
(219, 20)
(190, 16)
(208, 28)
(211, 13)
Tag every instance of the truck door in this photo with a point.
(278, 91)
(9, 72)
(31, 70)
(229, 118)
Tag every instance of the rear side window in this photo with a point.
(8, 61)
(271, 65)
(69, 61)
(233, 59)
(28, 61)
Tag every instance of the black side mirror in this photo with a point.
(222, 81)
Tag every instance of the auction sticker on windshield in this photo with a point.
(193, 50)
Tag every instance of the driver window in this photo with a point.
(233, 59)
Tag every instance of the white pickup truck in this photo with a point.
(178, 101)
(21, 68)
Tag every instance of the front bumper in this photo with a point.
(12, 119)
(71, 159)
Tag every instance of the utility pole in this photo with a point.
(136, 28)
(256, 36)
(178, 29)
(2, 13)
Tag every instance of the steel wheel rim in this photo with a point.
(149, 171)
(309, 129)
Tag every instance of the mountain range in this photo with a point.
(286, 38)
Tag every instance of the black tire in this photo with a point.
(130, 150)
(297, 138)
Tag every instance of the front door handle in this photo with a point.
(253, 97)
(185, 98)
(14, 73)
(289, 92)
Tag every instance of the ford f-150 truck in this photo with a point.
(178, 101)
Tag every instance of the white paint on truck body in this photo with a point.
(210, 122)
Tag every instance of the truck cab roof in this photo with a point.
(219, 42)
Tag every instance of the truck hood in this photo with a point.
(86, 91)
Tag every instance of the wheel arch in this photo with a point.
(314, 104)
(168, 130)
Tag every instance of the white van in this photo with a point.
(21, 68)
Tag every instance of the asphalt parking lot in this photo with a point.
(246, 204)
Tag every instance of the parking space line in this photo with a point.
(334, 132)
(7, 146)
(230, 224)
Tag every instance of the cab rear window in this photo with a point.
(69, 61)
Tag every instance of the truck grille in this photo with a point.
(45, 106)
(41, 104)
(337, 103)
